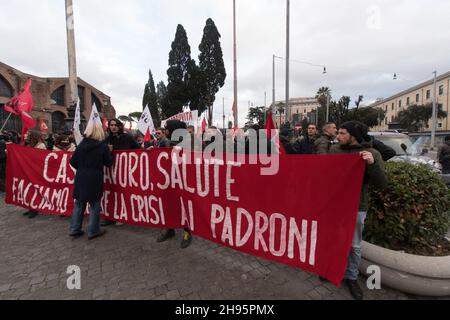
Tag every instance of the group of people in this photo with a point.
(352, 137)
(95, 152)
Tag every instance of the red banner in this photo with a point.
(304, 216)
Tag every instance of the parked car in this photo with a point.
(405, 149)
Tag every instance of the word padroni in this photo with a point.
(304, 216)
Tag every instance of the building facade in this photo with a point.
(421, 94)
(300, 108)
(51, 100)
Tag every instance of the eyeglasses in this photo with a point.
(158, 133)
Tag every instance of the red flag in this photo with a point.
(27, 123)
(43, 126)
(270, 126)
(23, 102)
(204, 125)
(105, 124)
(148, 136)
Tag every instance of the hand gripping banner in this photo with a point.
(304, 216)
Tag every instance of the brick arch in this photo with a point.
(6, 89)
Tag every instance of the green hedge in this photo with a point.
(413, 210)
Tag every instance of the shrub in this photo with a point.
(414, 210)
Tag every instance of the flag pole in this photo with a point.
(71, 53)
(4, 125)
(236, 118)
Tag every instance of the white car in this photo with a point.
(405, 150)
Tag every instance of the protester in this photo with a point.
(90, 158)
(117, 140)
(161, 139)
(35, 140)
(171, 127)
(351, 139)
(306, 146)
(444, 156)
(323, 144)
(62, 143)
(4, 140)
(285, 141)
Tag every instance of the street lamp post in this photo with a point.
(434, 117)
(287, 112)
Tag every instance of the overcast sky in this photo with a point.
(362, 43)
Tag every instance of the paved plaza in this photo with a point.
(128, 264)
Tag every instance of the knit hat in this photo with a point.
(356, 129)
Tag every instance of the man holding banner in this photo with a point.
(353, 138)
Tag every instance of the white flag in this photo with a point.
(76, 124)
(94, 121)
(146, 122)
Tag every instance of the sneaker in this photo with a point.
(166, 236)
(323, 280)
(355, 289)
(33, 214)
(26, 213)
(77, 235)
(187, 240)
(107, 223)
(98, 235)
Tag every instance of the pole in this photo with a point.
(236, 118)
(223, 105)
(71, 53)
(273, 85)
(328, 107)
(288, 111)
(434, 117)
(6, 122)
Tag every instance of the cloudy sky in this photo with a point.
(361, 42)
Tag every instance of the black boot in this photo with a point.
(33, 214)
(187, 240)
(106, 223)
(355, 289)
(166, 235)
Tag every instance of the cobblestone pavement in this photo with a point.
(128, 264)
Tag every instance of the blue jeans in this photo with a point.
(354, 259)
(78, 216)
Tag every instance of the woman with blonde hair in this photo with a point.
(89, 159)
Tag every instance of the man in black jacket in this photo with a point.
(118, 140)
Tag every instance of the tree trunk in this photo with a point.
(210, 115)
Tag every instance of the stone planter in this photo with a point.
(417, 275)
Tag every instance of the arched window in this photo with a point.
(58, 121)
(97, 102)
(81, 95)
(5, 88)
(59, 96)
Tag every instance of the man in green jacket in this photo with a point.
(352, 136)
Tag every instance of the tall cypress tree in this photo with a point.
(180, 64)
(150, 99)
(161, 94)
(212, 68)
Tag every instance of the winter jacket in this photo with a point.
(323, 144)
(305, 146)
(122, 141)
(375, 174)
(387, 153)
(444, 157)
(89, 160)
